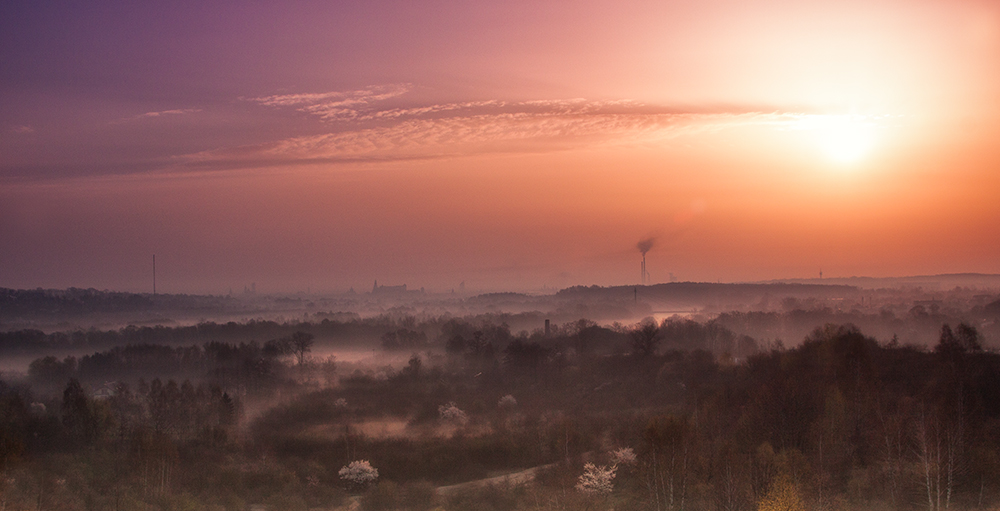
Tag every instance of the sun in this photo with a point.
(845, 139)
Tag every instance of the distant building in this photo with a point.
(388, 290)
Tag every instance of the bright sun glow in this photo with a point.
(845, 139)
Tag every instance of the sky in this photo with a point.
(522, 145)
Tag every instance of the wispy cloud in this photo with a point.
(161, 113)
(347, 105)
(170, 112)
(368, 104)
(364, 128)
(22, 129)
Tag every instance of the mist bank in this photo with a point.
(405, 330)
(985, 282)
(71, 309)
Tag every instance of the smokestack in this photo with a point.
(546, 328)
(642, 271)
(154, 274)
(644, 246)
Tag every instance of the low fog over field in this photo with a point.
(728, 396)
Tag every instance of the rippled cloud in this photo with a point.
(361, 125)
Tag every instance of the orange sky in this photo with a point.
(429, 143)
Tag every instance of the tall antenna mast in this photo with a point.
(154, 274)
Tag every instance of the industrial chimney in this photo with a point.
(644, 246)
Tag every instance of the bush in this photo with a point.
(596, 480)
(359, 473)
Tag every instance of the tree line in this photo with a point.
(712, 420)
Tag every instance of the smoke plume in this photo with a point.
(645, 245)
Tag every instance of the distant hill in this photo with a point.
(985, 281)
(708, 295)
(75, 301)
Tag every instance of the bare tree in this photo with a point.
(731, 492)
(893, 440)
(301, 344)
(665, 468)
(940, 451)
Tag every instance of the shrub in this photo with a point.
(359, 473)
(507, 401)
(623, 456)
(596, 480)
(451, 413)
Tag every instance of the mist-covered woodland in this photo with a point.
(700, 397)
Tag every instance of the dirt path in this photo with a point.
(353, 503)
(513, 478)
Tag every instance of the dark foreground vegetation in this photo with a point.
(671, 416)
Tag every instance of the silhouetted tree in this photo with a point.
(412, 369)
(645, 338)
(526, 356)
(48, 372)
(228, 412)
(301, 344)
(77, 413)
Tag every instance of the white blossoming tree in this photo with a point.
(359, 474)
(596, 480)
(599, 480)
(507, 401)
(451, 413)
(623, 456)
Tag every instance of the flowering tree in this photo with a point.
(507, 401)
(623, 456)
(596, 480)
(359, 473)
(451, 413)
